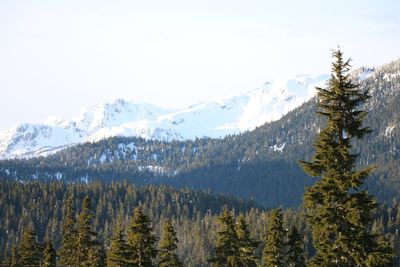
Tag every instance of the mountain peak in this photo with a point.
(218, 118)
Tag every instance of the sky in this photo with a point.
(59, 56)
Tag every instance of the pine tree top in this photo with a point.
(339, 212)
(273, 254)
(168, 246)
(169, 239)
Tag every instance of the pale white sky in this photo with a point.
(58, 56)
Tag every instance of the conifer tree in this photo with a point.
(49, 255)
(117, 253)
(167, 252)
(6, 261)
(295, 249)
(68, 249)
(14, 260)
(141, 241)
(273, 255)
(29, 249)
(339, 210)
(247, 245)
(88, 251)
(96, 256)
(227, 246)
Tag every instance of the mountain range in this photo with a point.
(259, 164)
(214, 119)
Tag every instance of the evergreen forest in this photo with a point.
(198, 220)
(309, 206)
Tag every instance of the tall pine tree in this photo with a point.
(295, 249)
(247, 245)
(141, 240)
(273, 254)
(49, 255)
(96, 256)
(117, 253)
(88, 250)
(29, 249)
(227, 245)
(67, 251)
(339, 211)
(14, 261)
(168, 246)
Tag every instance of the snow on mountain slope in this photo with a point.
(245, 111)
(121, 118)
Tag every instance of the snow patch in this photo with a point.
(103, 158)
(59, 176)
(389, 129)
(278, 148)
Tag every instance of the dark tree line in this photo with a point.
(133, 242)
(54, 208)
(80, 246)
(232, 237)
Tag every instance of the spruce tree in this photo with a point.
(88, 250)
(117, 253)
(295, 249)
(273, 254)
(68, 249)
(49, 255)
(168, 245)
(141, 241)
(227, 246)
(14, 262)
(339, 210)
(247, 245)
(96, 256)
(6, 261)
(29, 249)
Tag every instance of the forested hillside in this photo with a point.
(261, 165)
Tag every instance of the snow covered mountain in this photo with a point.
(215, 119)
